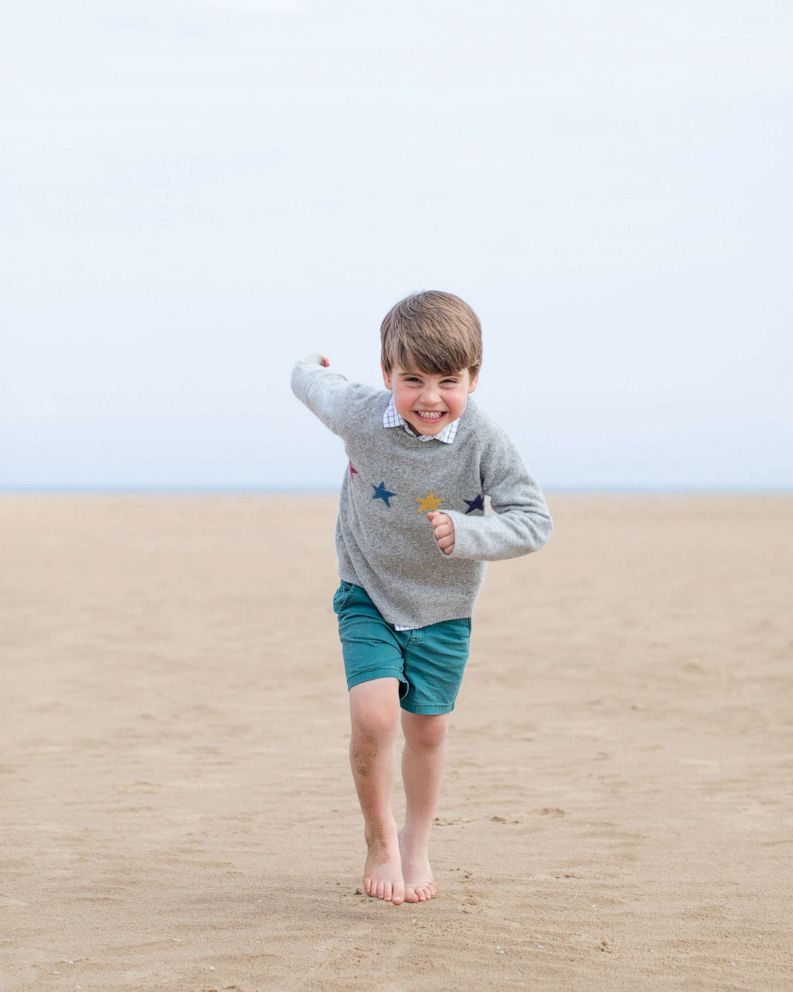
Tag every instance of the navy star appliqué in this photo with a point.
(476, 504)
(380, 492)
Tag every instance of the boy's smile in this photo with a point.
(429, 402)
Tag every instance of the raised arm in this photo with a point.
(328, 395)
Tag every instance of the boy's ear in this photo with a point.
(386, 377)
(473, 383)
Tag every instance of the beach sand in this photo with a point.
(177, 807)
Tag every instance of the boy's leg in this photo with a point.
(374, 718)
(422, 771)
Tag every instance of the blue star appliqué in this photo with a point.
(476, 504)
(380, 492)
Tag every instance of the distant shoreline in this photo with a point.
(318, 491)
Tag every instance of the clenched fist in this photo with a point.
(442, 531)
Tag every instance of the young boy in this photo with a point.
(412, 538)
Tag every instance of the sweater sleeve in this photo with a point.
(521, 522)
(329, 395)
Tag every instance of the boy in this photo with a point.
(412, 538)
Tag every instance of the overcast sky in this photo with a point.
(197, 193)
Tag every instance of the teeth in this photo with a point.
(429, 415)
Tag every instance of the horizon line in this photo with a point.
(767, 490)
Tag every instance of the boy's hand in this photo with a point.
(324, 361)
(442, 531)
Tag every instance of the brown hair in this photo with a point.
(431, 332)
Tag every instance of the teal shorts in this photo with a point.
(428, 662)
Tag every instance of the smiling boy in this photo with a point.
(412, 537)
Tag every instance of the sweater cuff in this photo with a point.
(315, 358)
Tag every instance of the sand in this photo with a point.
(177, 808)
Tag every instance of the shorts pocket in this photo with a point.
(457, 631)
(342, 596)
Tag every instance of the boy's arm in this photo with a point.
(327, 394)
(521, 522)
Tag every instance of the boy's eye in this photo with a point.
(413, 379)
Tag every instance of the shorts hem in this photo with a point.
(375, 673)
(420, 710)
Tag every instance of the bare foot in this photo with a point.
(419, 884)
(382, 876)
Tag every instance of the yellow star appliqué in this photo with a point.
(430, 503)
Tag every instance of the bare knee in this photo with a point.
(374, 712)
(374, 725)
(425, 732)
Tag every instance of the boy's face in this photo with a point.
(429, 402)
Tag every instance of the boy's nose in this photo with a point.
(430, 395)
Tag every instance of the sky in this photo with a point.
(196, 193)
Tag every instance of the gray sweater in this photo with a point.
(384, 541)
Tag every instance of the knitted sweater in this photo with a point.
(384, 541)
